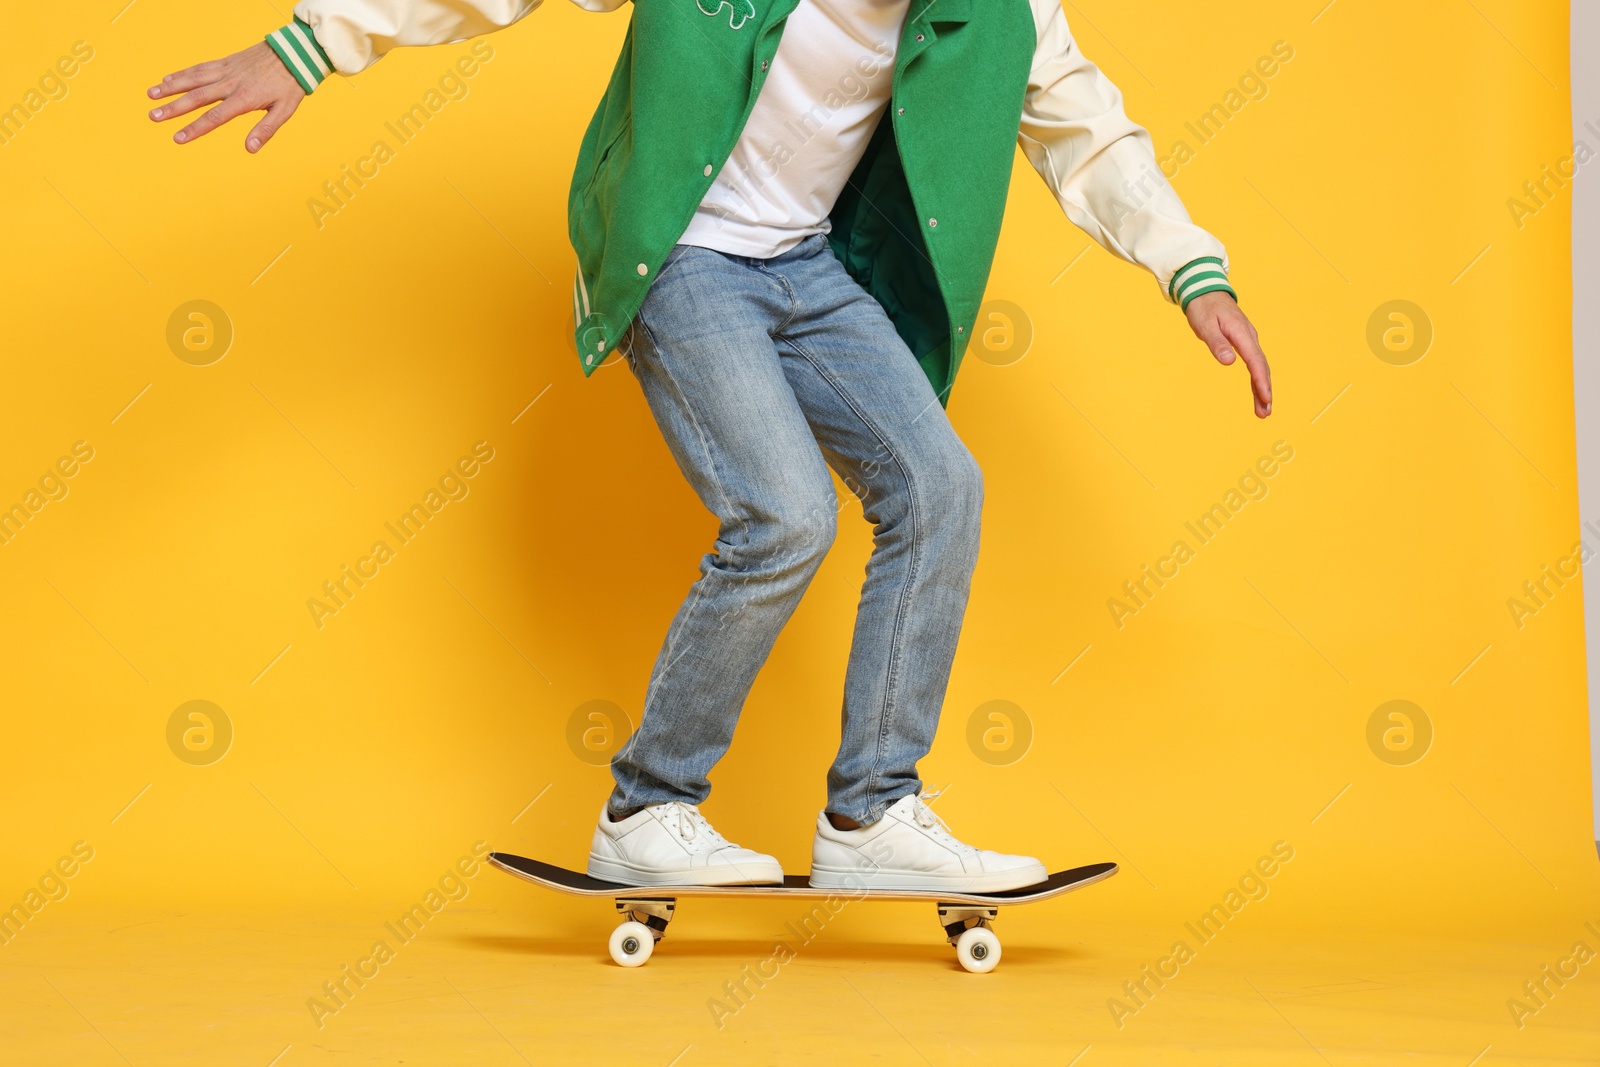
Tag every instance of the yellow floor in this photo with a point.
(514, 975)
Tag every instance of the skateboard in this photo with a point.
(967, 918)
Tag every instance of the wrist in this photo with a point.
(1216, 302)
(296, 45)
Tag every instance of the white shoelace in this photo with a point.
(929, 821)
(690, 827)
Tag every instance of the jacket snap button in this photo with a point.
(763, 64)
(588, 361)
(708, 170)
(643, 270)
(920, 38)
(900, 111)
(933, 222)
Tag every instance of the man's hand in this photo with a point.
(1217, 321)
(252, 80)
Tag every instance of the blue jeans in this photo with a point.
(763, 373)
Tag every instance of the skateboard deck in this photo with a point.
(646, 910)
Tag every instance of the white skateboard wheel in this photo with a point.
(632, 943)
(977, 948)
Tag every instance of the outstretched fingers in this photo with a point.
(252, 80)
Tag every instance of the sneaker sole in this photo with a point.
(824, 877)
(608, 870)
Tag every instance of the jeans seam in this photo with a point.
(650, 335)
(788, 291)
(629, 343)
(891, 686)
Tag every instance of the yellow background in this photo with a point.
(430, 312)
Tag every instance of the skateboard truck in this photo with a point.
(654, 912)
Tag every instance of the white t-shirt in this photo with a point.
(823, 98)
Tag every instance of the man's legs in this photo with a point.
(702, 349)
(748, 367)
(755, 371)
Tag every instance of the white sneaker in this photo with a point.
(911, 848)
(673, 844)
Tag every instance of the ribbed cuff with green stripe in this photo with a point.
(297, 46)
(1197, 278)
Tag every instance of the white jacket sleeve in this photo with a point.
(1102, 167)
(350, 35)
